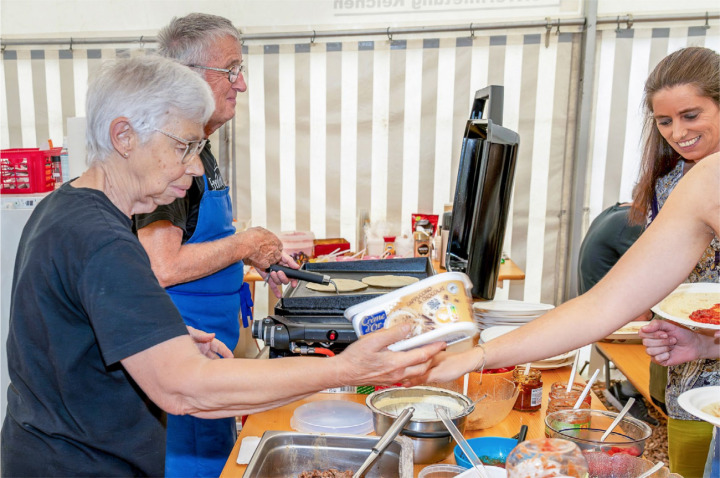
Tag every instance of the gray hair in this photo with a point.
(190, 39)
(146, 90)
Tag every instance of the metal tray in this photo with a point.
(287, 454)
(301, 300)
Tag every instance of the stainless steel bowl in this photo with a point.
(431, 440)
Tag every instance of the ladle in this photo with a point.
(620, 416)
(477, 465)
(385, 440)
(652, 470)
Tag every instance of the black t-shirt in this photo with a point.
(607, 239)
(183, 212)
(83, 298)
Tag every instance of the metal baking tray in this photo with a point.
(301, 300)
(287, 454)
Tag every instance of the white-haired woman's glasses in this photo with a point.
(192, 148)
(232, 73)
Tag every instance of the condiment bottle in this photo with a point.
(561, 399)
(389, 245)
(530, 389)
(422, 244)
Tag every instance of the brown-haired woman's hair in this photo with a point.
(695, 66)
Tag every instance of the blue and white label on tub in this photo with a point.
(371, 323)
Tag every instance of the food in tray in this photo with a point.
(343, 285)
(331, 473)
(683, 304)
(712, 409)
(707, 316)
(389, 281)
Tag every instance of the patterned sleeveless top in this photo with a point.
(697, 373)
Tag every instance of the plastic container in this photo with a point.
(298, 244)
(27, 170)
(439, 308)
(333, 416)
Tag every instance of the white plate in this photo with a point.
(494, 332)
(548, 366)
(694, 400)
(513, 307)
(557, 361)
(508, 320)
(502, 314)
(628, 331)
(691, 288)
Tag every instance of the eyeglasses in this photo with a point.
(192, 148)
(233, 73)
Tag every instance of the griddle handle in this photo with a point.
(300, 275)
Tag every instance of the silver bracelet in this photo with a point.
(484, 358)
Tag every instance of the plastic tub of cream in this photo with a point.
(438, 307)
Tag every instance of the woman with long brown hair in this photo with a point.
(682, 126)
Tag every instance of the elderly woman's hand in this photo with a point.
(368, 361)
(208, 344)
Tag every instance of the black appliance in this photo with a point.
(308, 322)
(482, 194)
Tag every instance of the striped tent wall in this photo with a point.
(328, 132)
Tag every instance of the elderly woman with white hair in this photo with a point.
(96, 349)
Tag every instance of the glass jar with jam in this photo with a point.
(561, 399)
(530, 389)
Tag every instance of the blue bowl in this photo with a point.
(491, 450)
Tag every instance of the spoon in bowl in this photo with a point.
(477, 465)
(620, 416)
(652, 470)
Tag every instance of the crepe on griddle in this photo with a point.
(343, 285)
(389, 281)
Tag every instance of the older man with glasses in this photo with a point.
(194, 249)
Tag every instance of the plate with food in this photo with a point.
(703, 403)
(627, 333)
(695, 305)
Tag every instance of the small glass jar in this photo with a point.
(546, 458)
(530, 386)
(561, 399)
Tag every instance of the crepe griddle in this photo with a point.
(301, 300)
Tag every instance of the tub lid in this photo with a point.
(333, 416)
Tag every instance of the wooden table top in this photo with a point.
(633, 362)
(279, 419)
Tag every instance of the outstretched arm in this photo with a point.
(661, 259)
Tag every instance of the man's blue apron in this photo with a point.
(199, 447)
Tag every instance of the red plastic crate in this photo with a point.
(26, 170)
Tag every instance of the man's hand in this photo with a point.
(275, 279)
(208, 344)
(265, 247)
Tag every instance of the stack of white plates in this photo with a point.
(553, 362)
(507, 312)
